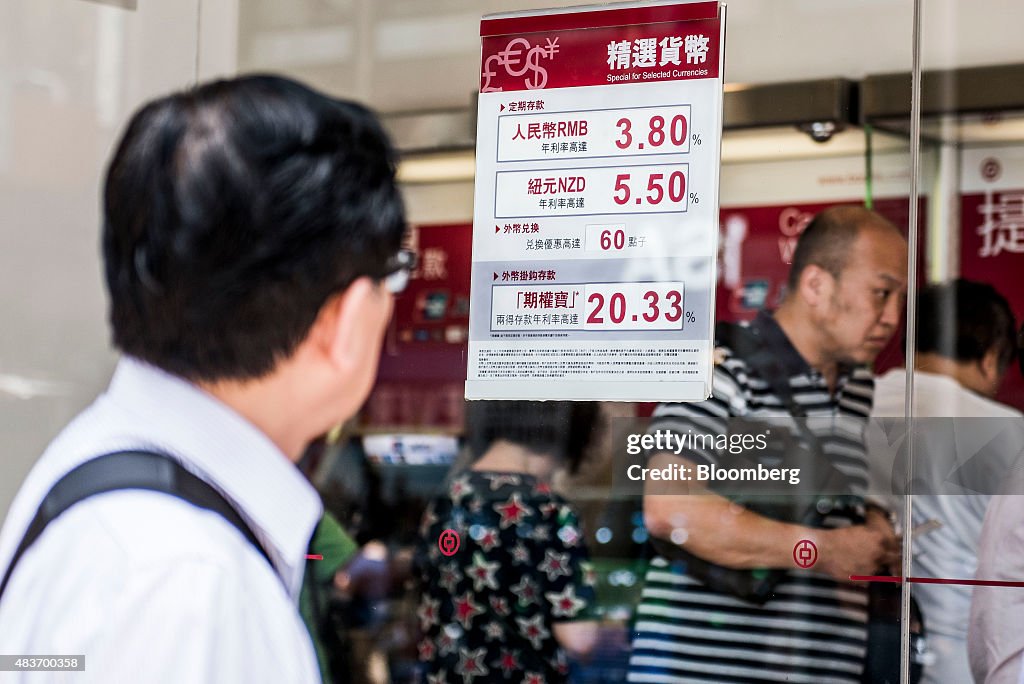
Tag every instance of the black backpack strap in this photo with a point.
(128, 470)
(747, 342)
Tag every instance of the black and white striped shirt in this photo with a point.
(813, 629)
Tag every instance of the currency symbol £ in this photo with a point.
(489, 73)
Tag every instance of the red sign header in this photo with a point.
(601, 48)
(570, 21)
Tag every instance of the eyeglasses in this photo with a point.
(398, 270)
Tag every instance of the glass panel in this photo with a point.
(967, 385)
(783, 163)
(70, 74)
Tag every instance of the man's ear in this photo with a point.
(990, 367)
(815, 284)
(350, 325)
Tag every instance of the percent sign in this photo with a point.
(696, 139)
(690, 318)
(694, 198)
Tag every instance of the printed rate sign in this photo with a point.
(595, 227)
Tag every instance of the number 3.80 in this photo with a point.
(656, 135)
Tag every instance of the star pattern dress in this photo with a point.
(487, 611)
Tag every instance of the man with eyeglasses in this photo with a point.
(251, 248)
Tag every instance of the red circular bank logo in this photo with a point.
(448, 542)
(805, 553)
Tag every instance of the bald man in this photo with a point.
(845, 295)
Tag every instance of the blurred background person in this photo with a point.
(513, 600)
(332, 549)
(995, 638)
(965, 342)
(331, 591)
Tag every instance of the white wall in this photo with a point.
(71, 71)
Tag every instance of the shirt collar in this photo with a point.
(230, 453)
(791, 362)
(789, 359)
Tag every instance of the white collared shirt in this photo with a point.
(146, 586)
(943, 408)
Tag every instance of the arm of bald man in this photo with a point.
(730, 535)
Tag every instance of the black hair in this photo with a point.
(963, 320)
(232, 212)
(827, 240)
(564, 429)
(1020, 349)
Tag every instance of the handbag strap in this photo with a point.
(748, 343)
(122, 470)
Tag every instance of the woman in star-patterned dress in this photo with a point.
(510, 602)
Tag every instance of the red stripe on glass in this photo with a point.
(934, 580)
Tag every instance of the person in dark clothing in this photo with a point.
(512, 600)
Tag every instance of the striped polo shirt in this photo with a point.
(813, 629)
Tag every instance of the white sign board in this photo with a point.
(595, 230)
